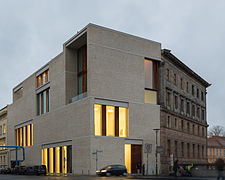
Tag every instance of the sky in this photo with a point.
(33, 32)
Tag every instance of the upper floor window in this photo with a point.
(151, 74)
(43, 99)
(111, 121)
(193, 90)
(1, 130)
(182, 105)
(82, 69)
(197, 93)
(182, 125)
(198, 112)
(188, 108)
(202, 96)
(176, 123)
(203, 115)
(188, 127)
(175, 101)
(168, 122)
(193, 110)
(181, 83)
(187, 86)
(4, 128)
(167, 74)
(168, 101)
(24, 135)
(42, 79)
(175, 78)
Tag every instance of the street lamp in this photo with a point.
(156, 156)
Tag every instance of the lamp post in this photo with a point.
(156, 156)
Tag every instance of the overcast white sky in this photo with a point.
(32, 33)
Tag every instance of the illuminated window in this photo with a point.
(42, 79)
(111, 121)
(123, 122)
(24, 135)
(150, 97)
(57, 159)
(128, 157)
(167, 74)
(151, 74)
(43, 99)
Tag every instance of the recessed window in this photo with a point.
(176, 123)
(197, 93)
(151, 74)
(168, 122)
(193, 110)
(188, 108)
(4, 128)
(175, 101)
(167, 74)
(42, 79)
(175, 78)
(182, 125)
(181, 83)
(193, 90)
(82, 70)
(188, 127)
(168, 102)
(187, 86)
(203, 115)
(182, 105)
(111, 121)
(198, 112)
(202, 96)
(24, 135)
(43, 99)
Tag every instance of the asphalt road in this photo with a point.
(21, 177)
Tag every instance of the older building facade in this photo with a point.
(216, 148)
(182, 97)
(88, 102)
(3, 138)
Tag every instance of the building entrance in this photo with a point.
(133, 158)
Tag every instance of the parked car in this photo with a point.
(5, 171)
(41, 169)
(30, 171)
(21, 170)
(112, 170)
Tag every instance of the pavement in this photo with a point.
(23, 177)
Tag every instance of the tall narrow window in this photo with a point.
(188, 108)
(151, 81)
(193, 150)
(98, 120)
(110, 121)
(168, 102)
(168, 122)
(202, 96)
(182, 125)
(175, 78)
(43, 99)
(188, 127)
(82, 69)
(193, 90)
(193, 110)
(168, 147)
(175, 149)
(181, 83)
(187, 86)
(167, 74)
(123, 122)
(175, 101)
(182, 105)
(188, 150)
(203, 115)
(182, 149)
(4, 128)
(176, 124)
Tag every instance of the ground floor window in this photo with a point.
(57, 159)
(24, 135)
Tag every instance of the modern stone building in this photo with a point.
(89, 98)
(100, 101)
(182, 98)
(3, 138)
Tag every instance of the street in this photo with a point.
(21, 177)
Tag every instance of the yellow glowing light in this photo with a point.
(24, 136)
(98, 120)
(21, 136)
(17, 137)
(64, 159)
(123, 122)
(57, 160)
(110, 121)
(45, 158)
(51, 161)
(127, 149)
(31, 134)
(28, 135)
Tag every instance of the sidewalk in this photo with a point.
(170, 177)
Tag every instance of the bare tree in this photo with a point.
(217, 131)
